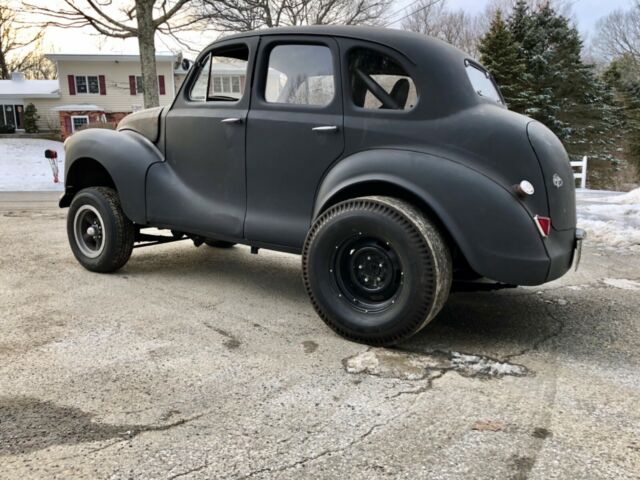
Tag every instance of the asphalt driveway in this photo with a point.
(204, 363)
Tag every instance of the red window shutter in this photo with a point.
(103, 85)
(67, 126)
(132, 84)
(72, 84)
(161, 84)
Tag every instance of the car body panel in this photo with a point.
(125, 155)
(264, 180)
(286, 156)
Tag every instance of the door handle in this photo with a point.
(325, 128)
(232, 120)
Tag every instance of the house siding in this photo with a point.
(118, 98)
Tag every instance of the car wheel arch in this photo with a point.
(384, 185)
(82, 173)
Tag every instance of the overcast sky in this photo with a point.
(585, 12)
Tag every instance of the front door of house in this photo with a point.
(12, 115)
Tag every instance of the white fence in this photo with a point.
(582, 176)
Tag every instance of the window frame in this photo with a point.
(266, 79)
(268, 43)
(347, 46)
(468, 63)
(73, 125)
(86, 79)
(183, 98)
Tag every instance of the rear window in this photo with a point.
(483, 83)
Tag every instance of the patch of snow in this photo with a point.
(477, 365)
(622, 283)
(610, 218)
(417, 366)
(24, 168)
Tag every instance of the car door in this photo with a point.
(200, 188)
(294, 134)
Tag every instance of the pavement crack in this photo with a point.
(190, 471)
(324, 453)
(424, 388)
(556, 332)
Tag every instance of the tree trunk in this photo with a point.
(146, 44)
(4, 70)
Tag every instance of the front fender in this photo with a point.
(125, 155)
(490, 225)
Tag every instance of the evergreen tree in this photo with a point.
(622, 78)
(519, 22)
(500, 54)
(31, 118)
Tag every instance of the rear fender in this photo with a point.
(126, 156)
(488, 223)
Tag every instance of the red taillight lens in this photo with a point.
(544, 225)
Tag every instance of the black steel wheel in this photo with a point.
(100, 235)
(376, 269)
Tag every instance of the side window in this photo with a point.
(223, 76)
(483, 83)
(380, 82)
(198, 91)
(301, 75)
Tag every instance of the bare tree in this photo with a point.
(618, 34)
(140, 19)
(245, 15)
(19, 45)
(456, 27)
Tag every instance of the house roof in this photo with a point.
(107, 57)
(19, 88)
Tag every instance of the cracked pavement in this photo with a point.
(201, 363)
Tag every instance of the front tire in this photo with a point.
(100, 235)
(376, 269)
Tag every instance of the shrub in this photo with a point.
(31, 118)
(7, 129)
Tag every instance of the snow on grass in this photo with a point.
(610, 218)
(24, 168)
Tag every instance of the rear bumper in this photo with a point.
(561, 248)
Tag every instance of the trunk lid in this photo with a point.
(558, 175)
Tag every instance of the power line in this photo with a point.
(424, 7)
(400, 10)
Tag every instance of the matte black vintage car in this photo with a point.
(388, 160)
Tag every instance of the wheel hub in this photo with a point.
(89, 231)
(371, 268)
(368, 273)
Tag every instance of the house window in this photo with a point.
(78, 122)
(140, 85)
(225, 85)
(87, 84)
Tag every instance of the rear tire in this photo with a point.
(376, 270)
(100, 235)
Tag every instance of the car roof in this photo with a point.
(411, 44)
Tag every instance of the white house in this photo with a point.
(90, 88)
